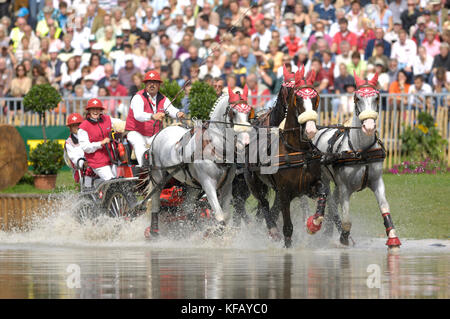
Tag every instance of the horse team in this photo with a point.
(308, 157)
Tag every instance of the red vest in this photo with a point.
(97, 132)
(292, 45)
(148, 128)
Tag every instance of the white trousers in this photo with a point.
(106, 172)
(140, 144)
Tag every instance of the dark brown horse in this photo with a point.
(272, 117)
(299, 167)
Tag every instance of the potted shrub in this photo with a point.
(47, 158)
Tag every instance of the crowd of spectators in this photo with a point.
(91, 48)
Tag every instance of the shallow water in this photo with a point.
(57, 257)
(38, 271)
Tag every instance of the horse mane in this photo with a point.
(278, 111)
(220, 103)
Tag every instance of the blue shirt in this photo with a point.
(325, 14)
(62, 20)
(248, 62)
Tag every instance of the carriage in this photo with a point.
(123, 196)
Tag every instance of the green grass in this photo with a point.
(420, 207)
(64, 182)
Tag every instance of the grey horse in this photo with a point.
(192, 157)
(355, 161)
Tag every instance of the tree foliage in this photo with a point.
(202, 98)
(170, 89)
(41, 98)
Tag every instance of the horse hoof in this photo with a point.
(288, 242)
(343, 239)
(314, 225)
(151, 233)
(393, 244)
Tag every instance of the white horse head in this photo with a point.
(309, 99)
(367, 100)
(236, 112)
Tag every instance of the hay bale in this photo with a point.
(13, 156)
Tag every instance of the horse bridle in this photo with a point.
(302, 126)
(229, 110)
(357, 111)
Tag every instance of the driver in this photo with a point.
(93, 136)
(147, 110)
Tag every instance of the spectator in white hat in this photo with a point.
(90, 88)
(289, 21)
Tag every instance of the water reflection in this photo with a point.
(41, 272)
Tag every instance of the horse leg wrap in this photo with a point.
(321, 203)
(314, 223)
(153, 229)
(388, 224)
(390, 231)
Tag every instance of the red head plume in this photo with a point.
(374, 80)
(231, 96)
(299, 77)
(358, 80)
(311, 77)
(245, 93)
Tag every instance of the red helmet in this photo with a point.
(152, 75)
(74, 118)
(94, 104)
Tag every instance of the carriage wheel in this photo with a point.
(117, 205)
(118, 201)
(87, 209)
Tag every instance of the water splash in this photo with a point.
(59, 226)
